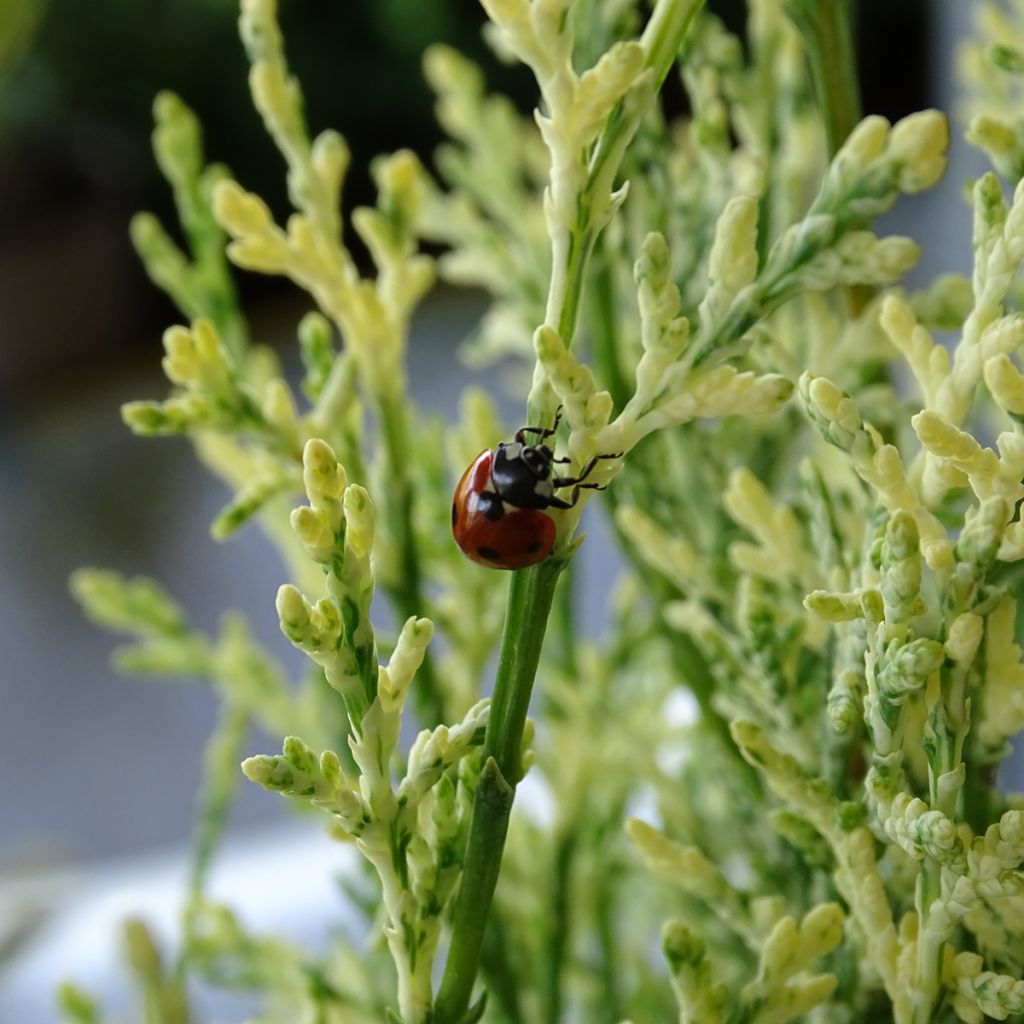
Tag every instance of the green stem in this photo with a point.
(209, 248)
(979, 795)
(563, 616)
(929, 951)
(531, 593)
(947, 721)
(603, 330)
(662, 38)
(611, 999)
(223, 752)
(406, 591)
(581, 245)
(825, 27)
(558, 934)
(220, 778)
(495, 958)
(664, 34)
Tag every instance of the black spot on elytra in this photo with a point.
(491, 506)
(455, 515)
(535, 546)
(489, 553)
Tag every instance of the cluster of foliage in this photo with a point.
(824, 563)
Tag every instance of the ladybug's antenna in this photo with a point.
(542, 432)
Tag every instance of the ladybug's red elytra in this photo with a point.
(498, 516)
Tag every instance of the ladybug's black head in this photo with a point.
(537, 459)
(521, 474)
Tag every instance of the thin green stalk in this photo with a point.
(162, 993)
(948, 725)
(929, 951)
(559, 931)
(563, 615)
(603, 330)
(611, 998)
(531, 593)
(495, 958)
(220, 779)
(662, 38)
(223, 753)
(825, 27)
(329, 413)
(208, 246)
(763, 53)
(581, 245)
(979, 793)
(665, 32)
(406, 592)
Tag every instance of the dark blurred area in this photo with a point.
(75, 160)
(75, 117)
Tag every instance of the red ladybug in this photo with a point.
(498, 516)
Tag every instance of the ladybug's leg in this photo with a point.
(542, 432)
(568, 481)
(559, 503)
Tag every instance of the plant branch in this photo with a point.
(530, 596)
(406, 591)
(662, 38)
(558, 936)
(825, 27)
(532, 590)
(603, 330)
(223, 752)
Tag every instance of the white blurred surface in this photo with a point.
(282, 882)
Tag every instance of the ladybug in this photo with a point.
(498, 516)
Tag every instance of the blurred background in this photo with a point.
(103, 769)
